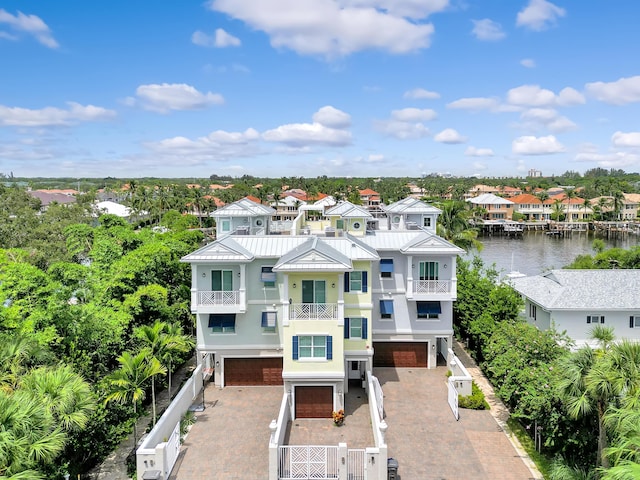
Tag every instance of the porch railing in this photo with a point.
(313, 311)
(219, 297)
(431, 287)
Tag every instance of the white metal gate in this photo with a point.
(453, 399)
(308, 462)
(356, 464)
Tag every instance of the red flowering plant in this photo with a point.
(338, 417)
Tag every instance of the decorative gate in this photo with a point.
(453, 399)
(308, 462)
(356, 465)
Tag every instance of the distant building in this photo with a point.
(497, 208)
(533, 173)
(47, 197)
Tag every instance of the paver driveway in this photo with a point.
(231, 436)
(430, 444)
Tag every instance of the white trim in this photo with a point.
(312, 376)
(269, 347)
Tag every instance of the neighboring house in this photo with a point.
(370, 200)
(574, 209)
(576, 300)
(287, 208)
(496, 208)
(531, 207)
(318, 307)
(480, 189)
(631, 204)
(47, 197)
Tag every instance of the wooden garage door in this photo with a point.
(400, 354)
(314, 402)
(253, 371)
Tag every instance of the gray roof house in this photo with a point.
(576, 300)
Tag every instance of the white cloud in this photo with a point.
(306, 134)
(332, 117)
(176, 96)
(375, 158)
(334, 28)
(478, 152)
(475, 104)
(420, 94)
(488, 30)
(402, 130)
(534, 96)
(29, 24)
(539, 15)
(610, 160)
(227, 138)
(622, 91)
(528, 62)
(630, 139)
(479, 166)
(547, 117)
(414, 115)
(529, 145)
(449, 135)
(52, 117)
(219, 39)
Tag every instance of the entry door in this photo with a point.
(428, 270)
(221, 280)
(314, 291)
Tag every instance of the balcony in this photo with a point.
(206, 301)
(433, 290)
(313, 311)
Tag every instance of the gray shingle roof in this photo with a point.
(582, 289)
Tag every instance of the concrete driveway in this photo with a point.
(231, 436)
(427, 441)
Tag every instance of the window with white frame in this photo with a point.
(268, 277)
(312, 346)
(386, 309)
(386, 267)
(355, 281)
(269, 321)
(428, 270)
(533, 311)
(595, 318)
(426, 221)
(355, 327)
(222, 323)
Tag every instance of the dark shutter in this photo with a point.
(601, 318)
(295, 347)
(329, 347)
(364, 282)
(631, 322)
(346, 327)
(346, 281)
(588, 318)
(364, 328)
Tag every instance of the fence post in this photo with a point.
(343, 461)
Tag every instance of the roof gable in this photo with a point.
(223, 250)
(243, 208)
(429, 243)
(313, 255)
(411, 205)
(348, 210)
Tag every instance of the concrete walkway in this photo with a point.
(427, 441)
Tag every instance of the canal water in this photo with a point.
(537, 252)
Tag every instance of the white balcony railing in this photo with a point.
(431, 287)
(218, 298)
(313, 311)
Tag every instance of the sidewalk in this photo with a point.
(498, 410)
(114, 467)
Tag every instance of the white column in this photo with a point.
(409, 276)
(243, 287)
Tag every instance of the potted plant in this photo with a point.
(338, 417)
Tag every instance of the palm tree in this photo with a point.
(624, 453)
(557, 210)
(585, 387)
(175, 343)
(453, 225)
(127, 384)
(562, 471)
(618, 203)
(17, 354)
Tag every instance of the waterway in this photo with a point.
(537, 252)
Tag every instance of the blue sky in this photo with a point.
(318, 87)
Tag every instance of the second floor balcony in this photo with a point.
(218, 301)
(313, 311)
(433, 289)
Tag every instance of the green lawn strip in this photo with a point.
(542, 462)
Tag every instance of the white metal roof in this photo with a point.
(313, 255)
(411, 205)
(489, 198)
(243, 208)
(348, 210)
(410, 241)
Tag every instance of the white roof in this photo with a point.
(489, 198)
(411, 205)
(410, 242)
(289, 201)
(348, 210)
(327, 201)
(113, 208)
(582, 289)
(243, 208)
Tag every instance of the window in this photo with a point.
(428, 270)
(426, 221)
(268, 277)
(429, 309)
(356, 225)
(221, 280)
(269, 320)
(386, 308)
(312, 346)
(595, 318)
(222, 323)
(396, 219)
(225, 224)
(386, 267)
(355, 327)
(355, 282)
(634, 321)
(533, 311)
(313, 291)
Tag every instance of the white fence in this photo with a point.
(206, 297)
(460, 377)
(453, 399)
(356, 464)
(159, 449)
(308, 461)
(431, 287)
(313, 311)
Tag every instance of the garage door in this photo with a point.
(314, 402)
(253, 371)
(400, 354)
